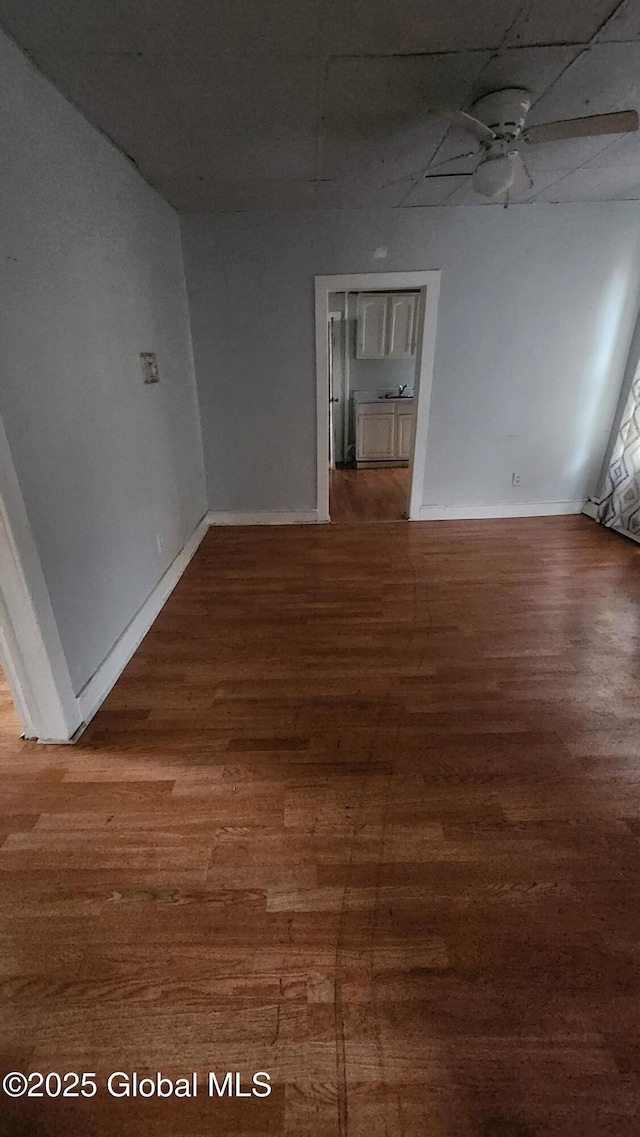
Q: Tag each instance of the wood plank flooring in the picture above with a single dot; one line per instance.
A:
(364, 813)
(358, 496)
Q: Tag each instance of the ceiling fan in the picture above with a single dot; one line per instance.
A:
(498, 122)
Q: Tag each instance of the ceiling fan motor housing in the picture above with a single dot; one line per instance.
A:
(504, 111)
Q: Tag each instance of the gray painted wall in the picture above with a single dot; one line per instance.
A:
(537, 308)
(91, 274)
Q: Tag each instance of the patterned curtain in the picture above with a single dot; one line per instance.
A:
(620, 504)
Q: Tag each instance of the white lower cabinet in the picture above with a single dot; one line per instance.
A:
(375, 434)
(384, 430)
(404, 434)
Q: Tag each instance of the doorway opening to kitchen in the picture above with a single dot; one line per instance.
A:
(375, 339)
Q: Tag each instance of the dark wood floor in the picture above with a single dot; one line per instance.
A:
(358, 496)
(364, 813)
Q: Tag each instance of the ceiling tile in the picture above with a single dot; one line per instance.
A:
(624, 24)
(354, 194)
(599, 81)
(376, 124)
(377, 94)
(562, 21)
(391, 27)
(434, 190)
(602, 79)
(382, 156)
(239, 196)
(164, 27)
(541, 180)
(567, 155)
(594, 185)
(254, 118)
(230, 27)
(534, 68)
(622, 150)
(284, 27)
(71, 25)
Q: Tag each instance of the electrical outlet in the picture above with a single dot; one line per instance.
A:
(150, 373)
(515, 479)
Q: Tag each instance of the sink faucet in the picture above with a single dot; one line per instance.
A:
(401, 390)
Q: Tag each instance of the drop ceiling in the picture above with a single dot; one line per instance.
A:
(314, 104)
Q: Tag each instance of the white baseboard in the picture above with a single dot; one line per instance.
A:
(264, 517)
(98, 687)
(590, 509)
(519, 509)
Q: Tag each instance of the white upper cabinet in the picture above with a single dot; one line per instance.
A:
(372, 325)
(402, 326)
(386, 325)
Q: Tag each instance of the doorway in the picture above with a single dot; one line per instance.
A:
(11, 725)
(375, 339)
(372, 361)
(34, 667)
(338, 381)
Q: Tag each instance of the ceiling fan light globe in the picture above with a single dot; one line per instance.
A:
(494, 176)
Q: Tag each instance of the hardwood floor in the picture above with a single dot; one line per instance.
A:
(369, 495)
(363, 813)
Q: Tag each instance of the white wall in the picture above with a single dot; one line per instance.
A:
(91, 274)
(537, 308)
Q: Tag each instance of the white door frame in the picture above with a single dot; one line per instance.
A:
(429, 285)
(32, 655)
(337, 323)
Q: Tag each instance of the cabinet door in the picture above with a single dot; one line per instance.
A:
(404, 435)
(371, 325)
(375, 436)
(402, 325)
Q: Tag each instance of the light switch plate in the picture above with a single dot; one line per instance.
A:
(150, 371)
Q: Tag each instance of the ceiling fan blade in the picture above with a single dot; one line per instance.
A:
(441, 177)
(470, 124)
(455, 158)
(622, 122)
(426, 173)
(522, 181)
